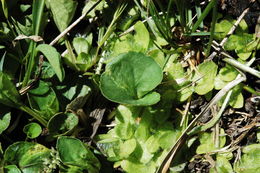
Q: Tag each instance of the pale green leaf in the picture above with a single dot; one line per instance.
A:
(207, 71)
(222, 165)
(207, 142)
(250, 160)
(127, 148)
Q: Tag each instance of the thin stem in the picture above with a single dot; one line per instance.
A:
(242, 67)
(62, 34)
(251, 90)
(34, 115)
(172, 153)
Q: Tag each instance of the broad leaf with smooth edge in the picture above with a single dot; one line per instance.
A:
(9, 96)
(63, 12)
(73, 152)
(32, 130)
(62, 123)
(130, 79)
(11, 169)
(44, 100)
(54, 59)
(5, 118)
(29, 157)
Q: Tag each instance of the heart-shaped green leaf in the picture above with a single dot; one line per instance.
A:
(130, 79)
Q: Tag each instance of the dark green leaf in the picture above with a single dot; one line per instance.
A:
(62, 123)
(8, 94)
(46, 103)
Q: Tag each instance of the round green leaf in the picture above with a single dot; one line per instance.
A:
(62, 123)
(73, 152)
(32, 130)
(228, 73)
(130, 79)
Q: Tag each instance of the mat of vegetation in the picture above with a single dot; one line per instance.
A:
(129, 86)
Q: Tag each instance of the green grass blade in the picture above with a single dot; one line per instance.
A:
(37, 12)
(198, 12)
(203, 15)
(212, 28)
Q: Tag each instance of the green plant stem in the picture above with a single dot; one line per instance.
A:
(34, 115)
(214, 120)
(251, 90)
(109, 30)
(37, 12)
(242, 67)
(31, 63)
(70, 52)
